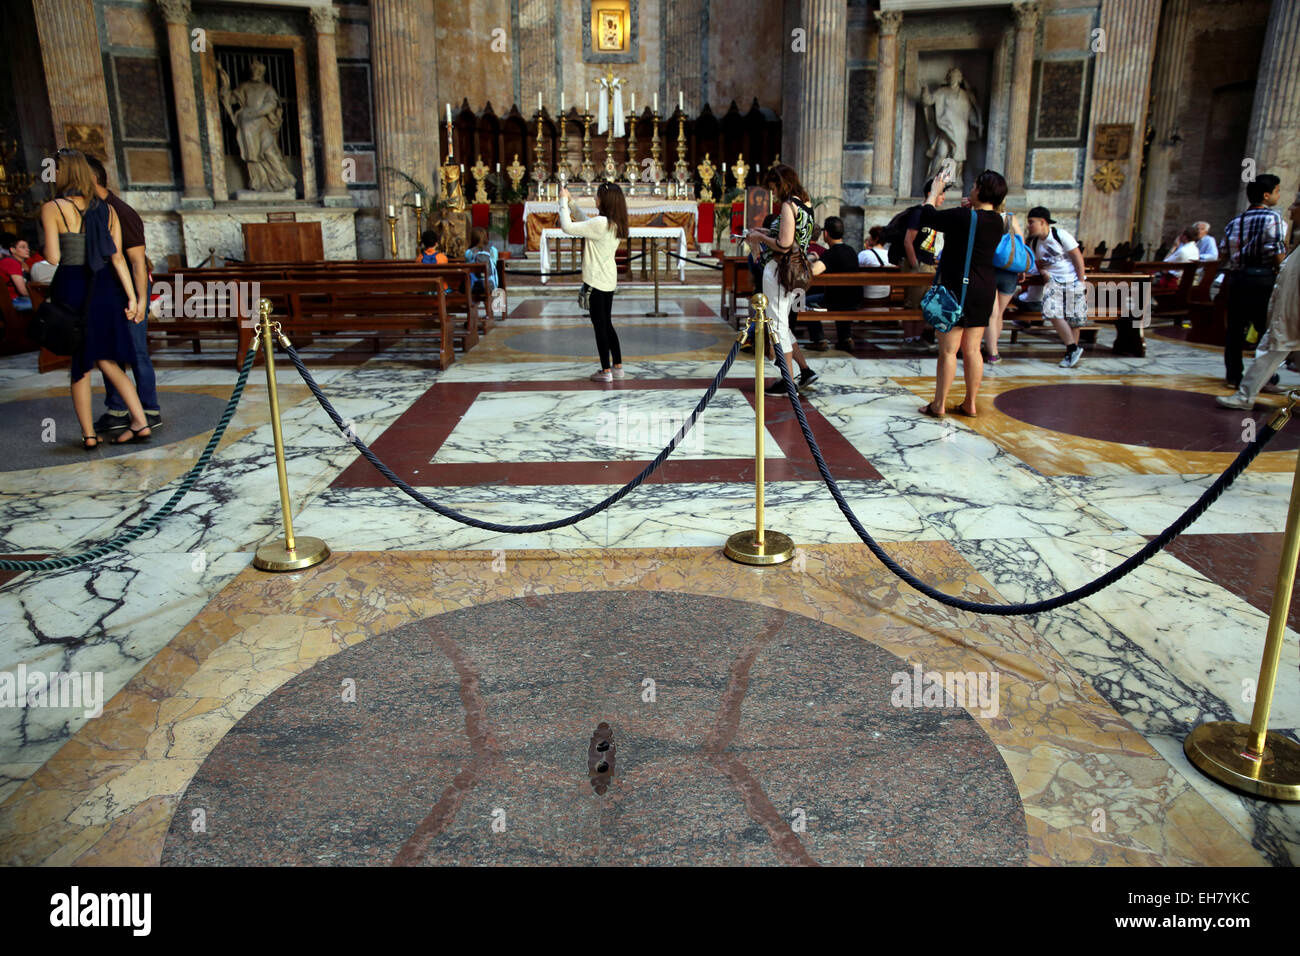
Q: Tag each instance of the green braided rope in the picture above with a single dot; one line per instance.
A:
(151, 522)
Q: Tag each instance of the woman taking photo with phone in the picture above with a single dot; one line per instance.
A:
(979, 292)
(82, 237)
(794, 228)
(601, 235)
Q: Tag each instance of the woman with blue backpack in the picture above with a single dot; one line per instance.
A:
(960, 302)
(1009, 262)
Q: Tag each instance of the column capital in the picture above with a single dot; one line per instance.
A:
(1026, 13)
(890, 21)
(175, 11)
(325, 19)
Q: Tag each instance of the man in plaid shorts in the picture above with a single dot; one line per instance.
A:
(1065, 293)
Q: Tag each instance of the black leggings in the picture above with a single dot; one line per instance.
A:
(602, 304)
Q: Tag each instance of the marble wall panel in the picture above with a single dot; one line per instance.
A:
(1067, 33)
(1054, 166)
(149, 166)
(131, 26)
(221, 228)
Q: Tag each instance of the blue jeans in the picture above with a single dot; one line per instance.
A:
(142, 369)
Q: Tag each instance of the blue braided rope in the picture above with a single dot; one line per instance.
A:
(151, 522)
(1211, 494)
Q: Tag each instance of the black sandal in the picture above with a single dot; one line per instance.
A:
(135, 435)
(86, 442)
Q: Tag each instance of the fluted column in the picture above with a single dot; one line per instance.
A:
(1166, 102)
(405, 138)
(882, 157)
(1274, 141)
(1022, 78)
(1121, 88)
(74, 70)
(177, 15)
(819, 154)
(325, 19)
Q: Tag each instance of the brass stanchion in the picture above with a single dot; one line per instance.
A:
(759, 547)
(1249, 758)
(294, 553)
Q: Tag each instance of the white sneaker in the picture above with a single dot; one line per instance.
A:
(602, 376)
(1235, 401)
(1072, 357)
(618, 372)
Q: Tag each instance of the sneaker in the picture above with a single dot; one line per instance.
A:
(806, 378)
(1072, 357)
(618, 373)
(1235, 401)
(844, 345)
(821, 345)
(153, 418)
(776, 388)
(1021, 324)
(108, 423)
(602, 376)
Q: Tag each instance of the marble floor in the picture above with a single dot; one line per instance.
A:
(1065, 473)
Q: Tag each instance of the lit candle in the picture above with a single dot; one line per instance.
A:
(462, 169)
(633, 104)
(392, 213)
(539, 101)
(587, 101)
(561, 101)
(418, 200)
(681, 102)
(449, 113)
(498, 169)
(656, 105)
(724, 170)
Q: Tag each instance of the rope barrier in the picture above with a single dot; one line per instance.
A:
(696, 260)
(446, 512)
(1211, 494)
(126, 537)
(566, 272)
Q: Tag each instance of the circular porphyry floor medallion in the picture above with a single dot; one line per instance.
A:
(765, 738)
(1138, 415)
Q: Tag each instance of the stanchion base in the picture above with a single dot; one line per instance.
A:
(1217, 748)
(656, 315)
(306, 553)
(743, 546)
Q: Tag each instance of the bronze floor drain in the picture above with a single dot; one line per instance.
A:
(600, 757)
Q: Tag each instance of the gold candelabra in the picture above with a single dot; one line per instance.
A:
(562, 169)
(630, 171)
(516, 172)
(706, 171)
(392, 234)
(540, 175)
(740, 170)
(655, 171)
(611, 167)
(588, 170)
(682, 170)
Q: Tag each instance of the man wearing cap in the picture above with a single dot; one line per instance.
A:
(1065, 293)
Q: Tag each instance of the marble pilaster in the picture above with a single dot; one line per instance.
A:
(819, 155)
(1022, 69)
(882, 160)
(325, 20)
(405, 137)
(177, 15)
(1121, 86)
(74, 71)
(1274, 141)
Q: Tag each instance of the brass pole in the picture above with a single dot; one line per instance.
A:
(392, 234)
(759, 547)
(1249, 758)
(295, 553)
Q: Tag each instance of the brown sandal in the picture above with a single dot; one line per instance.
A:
(928, 409)
(959, 410)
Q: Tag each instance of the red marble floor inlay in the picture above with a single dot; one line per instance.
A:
(1138, 415)
(7, 576)
(409, 443)
(1245, 564)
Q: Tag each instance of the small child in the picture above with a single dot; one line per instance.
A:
(480, 250)
(430, 254)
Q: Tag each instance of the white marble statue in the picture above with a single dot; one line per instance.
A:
(254, 108)
(951, 111)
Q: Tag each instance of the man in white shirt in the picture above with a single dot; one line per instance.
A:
(1065, 293)
(1207, 250)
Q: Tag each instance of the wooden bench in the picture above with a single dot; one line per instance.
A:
(13, 335)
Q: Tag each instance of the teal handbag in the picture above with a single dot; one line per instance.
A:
(941, 311)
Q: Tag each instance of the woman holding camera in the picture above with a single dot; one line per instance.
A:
(601, 235)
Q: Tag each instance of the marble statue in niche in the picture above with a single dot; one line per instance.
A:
(255, 109)
(951, 111)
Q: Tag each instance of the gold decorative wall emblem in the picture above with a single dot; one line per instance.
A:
(1108, 177)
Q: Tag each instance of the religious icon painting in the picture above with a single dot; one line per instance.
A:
(611, 32)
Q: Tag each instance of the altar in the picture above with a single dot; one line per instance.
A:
(645, 213)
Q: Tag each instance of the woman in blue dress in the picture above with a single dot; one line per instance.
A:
(82, 237)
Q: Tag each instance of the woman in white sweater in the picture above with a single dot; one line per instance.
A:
(602, 234)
